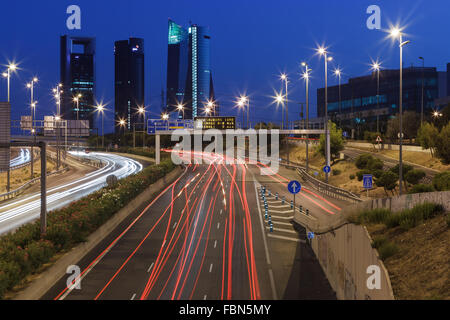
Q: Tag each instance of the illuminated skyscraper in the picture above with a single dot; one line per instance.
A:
(189, 78)
(129, 85)
(78, 77)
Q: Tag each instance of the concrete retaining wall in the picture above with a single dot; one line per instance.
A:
(345, 254)
(385, 146)
(48, 278)
(406, 201)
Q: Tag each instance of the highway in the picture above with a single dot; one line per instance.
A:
(24, 209)
(205, 237)
(22, 158)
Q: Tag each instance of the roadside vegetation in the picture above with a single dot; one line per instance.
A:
(414, 246)
(24, 252)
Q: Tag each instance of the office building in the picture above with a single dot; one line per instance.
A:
(129, 84)
(189, 77)
(77, 67)
(359, 105)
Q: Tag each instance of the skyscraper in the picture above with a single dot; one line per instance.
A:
(189, 78)
(78, 78)
(129, 81)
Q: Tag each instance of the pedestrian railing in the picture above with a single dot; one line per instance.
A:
(321, 186)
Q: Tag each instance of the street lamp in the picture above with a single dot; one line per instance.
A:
(101, 109)
(77, 100)
(180, 108)
(338, 74)
(142, 112)
(306, 77)
(7, 74)
(376, 66)
(242, 103)
(323, 52)
(396, 33)
(284, 78)
(211, 106)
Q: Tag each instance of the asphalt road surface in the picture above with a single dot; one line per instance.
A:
(205, 237)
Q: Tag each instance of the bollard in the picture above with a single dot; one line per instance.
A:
(282, 201)
(301, 209)
(269, 193)
(266, 216)
(271, 227)
(276, 196)
(307, 212)
(292, 204)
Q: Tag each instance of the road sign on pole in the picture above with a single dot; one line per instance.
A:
(367, 182)
(294, 187)
(326, 169)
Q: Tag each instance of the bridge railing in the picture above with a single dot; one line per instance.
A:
(321, 186)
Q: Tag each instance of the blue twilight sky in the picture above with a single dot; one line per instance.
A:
(252, 42)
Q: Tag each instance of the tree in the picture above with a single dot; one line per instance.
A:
(443, 145)
(410, 126)
(414, 176)
(441, 181)
(405, 169)
(336, 142)
(388, 181)
(427, 137)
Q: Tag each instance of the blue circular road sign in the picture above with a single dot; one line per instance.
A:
(294, 187)
(326, 169)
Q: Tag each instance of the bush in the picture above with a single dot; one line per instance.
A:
(336, 172)
(24, 251)
(405, 168)
(374, 216)
(375, 164)
(441, 181)
(421, 188)
(352, 177)
(362, 161)
(387, 250)
(388, 181)
(414, 176)
(360, 174)
(379, 242)
(448, 220)
(410, 218)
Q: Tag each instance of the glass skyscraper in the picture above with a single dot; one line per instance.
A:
(129, 85)
(78, 77)
(189, 78)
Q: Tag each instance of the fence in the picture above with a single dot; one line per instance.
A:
(321, 186)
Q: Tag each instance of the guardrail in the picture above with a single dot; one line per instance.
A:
(321, 186)
(18, 191)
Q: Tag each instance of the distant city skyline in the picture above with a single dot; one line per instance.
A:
(251, 46)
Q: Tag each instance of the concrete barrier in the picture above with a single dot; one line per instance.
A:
(345, 252)
(47, 279)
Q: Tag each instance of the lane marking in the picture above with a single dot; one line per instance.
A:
(134, 296)
(218, 225)
(272, 281)
(283, 218)
(285, 238)
(210, 268)
(282, 230)
(204, 297)
(215, 244)
(174, 225)
(151, 266)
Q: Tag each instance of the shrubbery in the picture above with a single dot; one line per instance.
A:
(421, 188)
(441, 181)
(24, 252)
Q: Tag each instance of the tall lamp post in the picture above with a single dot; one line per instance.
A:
(396, 33)
(101, 110)
(243, 102)
(57, 93)
(142, 112)
(323, 52)
(306, 77)
(423, 89)
(338, 74)
(376, 66)
(7, 74)
(284, 78)
(180, 108)
(33, 108)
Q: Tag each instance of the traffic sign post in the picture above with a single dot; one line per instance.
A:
(379, 140)
(294, 187)
(367, 182)
(326, 169)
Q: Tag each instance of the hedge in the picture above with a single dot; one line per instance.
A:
(24, 252)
